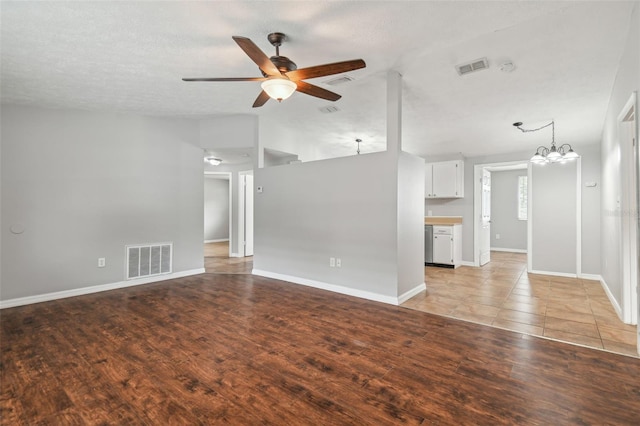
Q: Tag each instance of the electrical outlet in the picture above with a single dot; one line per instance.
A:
(101, 262)
(332, 262)
(338, 263)
(497, 236)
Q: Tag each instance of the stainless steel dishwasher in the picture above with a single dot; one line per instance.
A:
(428, 244)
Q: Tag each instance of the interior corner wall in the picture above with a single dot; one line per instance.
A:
(626, 82)
(343, 208)
(504, 211)
(216, 209)
(83, 185)
(410, 222)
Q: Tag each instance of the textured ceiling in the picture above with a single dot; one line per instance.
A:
(130, 57)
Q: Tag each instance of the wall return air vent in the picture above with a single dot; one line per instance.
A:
(148, 260)
(477, 65)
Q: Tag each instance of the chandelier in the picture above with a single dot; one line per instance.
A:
(552, 154)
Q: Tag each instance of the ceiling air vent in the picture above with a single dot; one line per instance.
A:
(339, 80)
(477, 65)
(329, 109)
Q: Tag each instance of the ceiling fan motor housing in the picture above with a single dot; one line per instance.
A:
(283, 63)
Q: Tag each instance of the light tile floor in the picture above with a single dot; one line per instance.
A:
(502, 294)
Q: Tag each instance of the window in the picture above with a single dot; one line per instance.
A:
(522, 198)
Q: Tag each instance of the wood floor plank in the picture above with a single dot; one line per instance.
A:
(238, 349)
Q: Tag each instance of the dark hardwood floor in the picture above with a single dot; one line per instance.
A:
(239, 349)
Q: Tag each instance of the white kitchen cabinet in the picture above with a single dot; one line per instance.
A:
(444, 179)
(447, 245)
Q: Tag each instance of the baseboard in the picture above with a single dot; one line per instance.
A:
(222, 240)
(508, 250)
(332, 287)
(235, 255)
(409, 294)
(465, 263)
(555, 274)
(20, 301)
(612, 299)
(593, 277)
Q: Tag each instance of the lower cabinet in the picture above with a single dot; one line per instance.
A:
(447, 245)
(443, 249)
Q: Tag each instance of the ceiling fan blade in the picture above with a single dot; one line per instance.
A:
(261, 99)
(257, 55)
(226, 79)
(326, 69)
(316, 91)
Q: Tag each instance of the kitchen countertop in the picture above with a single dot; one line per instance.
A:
(442, 220)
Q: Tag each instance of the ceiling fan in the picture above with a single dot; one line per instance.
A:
(281, 76)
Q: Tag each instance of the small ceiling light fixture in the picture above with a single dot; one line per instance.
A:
(552, 154)
(279, 88)
(358, 142)
(507, 66)
(213, 161)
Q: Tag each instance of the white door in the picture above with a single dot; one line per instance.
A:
(248, 215)
(485, 225)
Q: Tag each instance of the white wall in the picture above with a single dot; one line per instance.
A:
(504, 211)
(627, 81)
(410, 222)
(553, 189)
(591, 240)
(345, 208)
(216, 208)
(233, 131)
(276, 135)
(83, 185)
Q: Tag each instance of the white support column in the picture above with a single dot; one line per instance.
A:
(394, 112)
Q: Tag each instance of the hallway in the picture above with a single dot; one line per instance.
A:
(502, 294)
(217, 260)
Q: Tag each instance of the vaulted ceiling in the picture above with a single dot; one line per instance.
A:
(129, 57)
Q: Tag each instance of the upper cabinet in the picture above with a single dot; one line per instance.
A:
(444, 179)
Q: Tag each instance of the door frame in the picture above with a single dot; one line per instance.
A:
(229, 177)
(484, 171)
(628, 220)
(242, 212)
(477, 207)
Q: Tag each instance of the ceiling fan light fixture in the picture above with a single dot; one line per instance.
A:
(279, 88)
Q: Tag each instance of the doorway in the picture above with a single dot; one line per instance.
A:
(484, 238)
